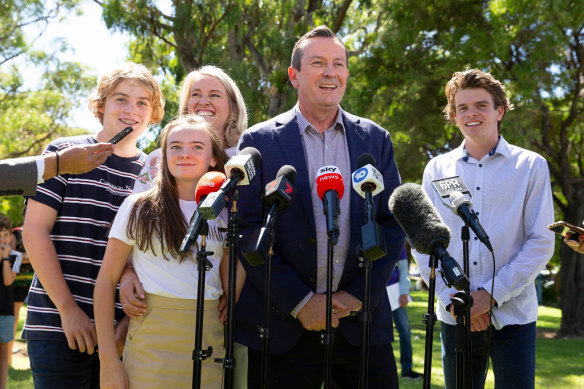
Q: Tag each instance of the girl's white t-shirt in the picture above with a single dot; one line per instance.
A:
(171, 278)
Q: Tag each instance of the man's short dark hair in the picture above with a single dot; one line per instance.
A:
(318, 32)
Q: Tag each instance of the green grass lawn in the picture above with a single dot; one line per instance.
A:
(559, 362)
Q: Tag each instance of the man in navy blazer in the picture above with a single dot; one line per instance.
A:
(317, 132)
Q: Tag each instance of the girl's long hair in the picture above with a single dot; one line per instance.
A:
(157, 214)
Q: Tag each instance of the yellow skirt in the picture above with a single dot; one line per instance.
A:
(160, 344)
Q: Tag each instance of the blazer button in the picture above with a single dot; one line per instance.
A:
(311, 281)
(312, 241)
(276, 310)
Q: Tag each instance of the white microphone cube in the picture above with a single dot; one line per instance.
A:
(367, 178)
(244, 164)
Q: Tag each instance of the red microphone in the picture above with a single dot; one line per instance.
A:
(210, 182)
(330, 188)
(329, 178)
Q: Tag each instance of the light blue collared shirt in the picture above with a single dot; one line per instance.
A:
(511, 195)
(328, 148)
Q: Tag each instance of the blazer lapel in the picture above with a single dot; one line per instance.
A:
(357, 139)
(293, 152)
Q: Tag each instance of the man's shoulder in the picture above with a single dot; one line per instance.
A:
(363, 122)
(526, 154)
(270, 124)
(444, 158)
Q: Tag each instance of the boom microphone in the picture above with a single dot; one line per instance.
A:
(210, 182)
(425, 230)
(241, 169)
(330, 189)
(279, 195)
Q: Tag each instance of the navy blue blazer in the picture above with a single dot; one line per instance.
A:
(294, 261)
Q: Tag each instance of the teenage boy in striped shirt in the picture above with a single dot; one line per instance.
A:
(65, 232)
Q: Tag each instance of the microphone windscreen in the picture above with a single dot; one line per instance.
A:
(366, 159)
(417, 216)
(329, 178)
(210, 182)
(289, 172)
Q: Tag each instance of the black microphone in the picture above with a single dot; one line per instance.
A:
(279, 195)
(454, 189)
(240, 169)
(461, 205)
(425, 230)
(367, 181)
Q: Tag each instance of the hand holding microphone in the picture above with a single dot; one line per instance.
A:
(209, 183)
(330, 189)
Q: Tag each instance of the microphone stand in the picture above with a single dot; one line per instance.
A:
(365, 318)
(467, 366)
(232, 234)
(430, 320)
(462, 302)
(204, 264)
(333, 238)
(327, 337)
(265, 333)
(371, 228)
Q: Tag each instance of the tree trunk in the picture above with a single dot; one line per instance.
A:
(572, 293)
(572, 277)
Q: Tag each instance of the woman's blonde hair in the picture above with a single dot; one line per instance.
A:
(237, 121)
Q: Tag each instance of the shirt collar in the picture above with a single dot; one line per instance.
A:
(303, 123)
(502, 147)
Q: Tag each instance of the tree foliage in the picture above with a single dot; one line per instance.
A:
(33, 113)
(253, 40)
(535, 48)
(402, 54)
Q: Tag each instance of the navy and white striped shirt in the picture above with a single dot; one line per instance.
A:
(86, 205)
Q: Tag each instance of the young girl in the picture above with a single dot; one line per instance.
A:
(210, 93)
(150, 227)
